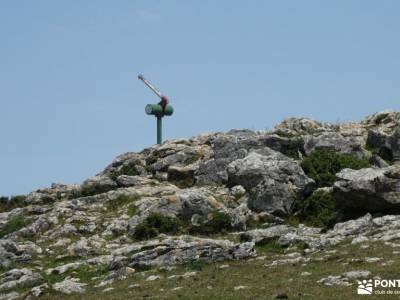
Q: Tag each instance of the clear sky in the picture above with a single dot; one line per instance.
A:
(70, 100)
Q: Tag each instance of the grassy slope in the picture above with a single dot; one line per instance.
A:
(262, 282)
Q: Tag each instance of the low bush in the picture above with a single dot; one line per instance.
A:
(322, 165)
(128, 169)
(7, 204)
(219, 222)
(14, 224)
(155, 224)
(318, 209)
(269, 246)
(114, 204)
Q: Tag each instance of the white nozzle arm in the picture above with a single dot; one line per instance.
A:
(150, 86)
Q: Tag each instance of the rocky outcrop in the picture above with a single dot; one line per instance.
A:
(97, 185)
(186, 249)
(17, 278)
(368, 189)
(260, 236)
(336, 142)
(361, 230)
(241, 185)
(385, 121)
(273, 181)
(69, 286)
(10, 253)
(302, 126)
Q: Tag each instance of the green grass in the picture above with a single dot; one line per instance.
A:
(132, 209)
(322, 165)
(14, 224)
(212, 282)
(269, 247)
(195, 265)
(115, 204)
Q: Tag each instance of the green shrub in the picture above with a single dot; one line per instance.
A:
(155, 224)
(322, 165)
(128, 169)
(293, 148)
(7, 204)
(114, 204)
(219, 222)
(318, 209)
(132, 210)
(292, 220)
(14, 224)
(269, 246)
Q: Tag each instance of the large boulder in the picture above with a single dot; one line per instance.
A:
(385, 145)
(302, 126)
(369, 189)
(260, 236)
(97, 185)
(129, 163)
(184, 205)
(174, 154)
(227, 148)
(336, 142)
(10, 253)
(185, 249)
(19, 278)
(385, 121)
(69, 286)
(273, 181)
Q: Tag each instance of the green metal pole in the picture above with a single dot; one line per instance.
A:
(159, 130)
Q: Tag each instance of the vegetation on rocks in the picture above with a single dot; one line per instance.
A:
(269, 246)
(239, 223)
(128, 169)
(7, 204)
(221, 280)
(122, 200)
(219, 222)
(155, 224)
(14, 224)
(322, 165)
(318, 209)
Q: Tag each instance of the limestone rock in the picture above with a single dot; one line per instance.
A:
(17, 278)
(9, 253)
(38, 291)
(264, 235)
(184, 249)
(368, 189)
(302, 126)
(69, 286)
(336, 142)
(273, 181)
(97, 185)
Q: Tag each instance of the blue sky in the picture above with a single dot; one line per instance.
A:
(70, 99)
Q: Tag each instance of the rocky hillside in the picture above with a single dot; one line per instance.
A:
(213, 200)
